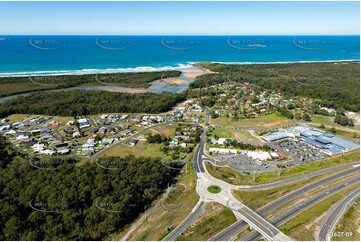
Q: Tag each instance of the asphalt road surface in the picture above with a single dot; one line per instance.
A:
(237, 227)
(328, 225)
(186, 223)
(303, 206)
(297, 178)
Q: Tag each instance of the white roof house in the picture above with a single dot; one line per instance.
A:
(222, 141)
(223, 151)
(258, 155)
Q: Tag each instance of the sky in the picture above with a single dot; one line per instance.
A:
(177, 18)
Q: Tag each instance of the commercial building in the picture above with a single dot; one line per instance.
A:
(327, 142)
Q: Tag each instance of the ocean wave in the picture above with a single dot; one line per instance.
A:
(189, 65)
(281, 62)
(95, 71)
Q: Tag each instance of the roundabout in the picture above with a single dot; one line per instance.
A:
(214, 189)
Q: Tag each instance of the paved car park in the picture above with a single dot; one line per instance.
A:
(299, 151)
(243, 163)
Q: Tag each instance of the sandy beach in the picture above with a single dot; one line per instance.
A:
(193, 73)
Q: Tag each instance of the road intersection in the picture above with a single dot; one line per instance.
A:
(224, 197)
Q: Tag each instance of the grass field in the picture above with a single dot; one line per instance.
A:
(273, 120)
(240, 135)
(350, 222)
(303, 226)
(154, 227)
(165, 130)
(259, 198)
(222, 133)
(17, 117)
(328, 121)
(141, 149)
(214, 219)
(232, 176)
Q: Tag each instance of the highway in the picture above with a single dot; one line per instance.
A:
(328, 225)
(301, 207)
(237, 227)
(296, 178)
(197, 211)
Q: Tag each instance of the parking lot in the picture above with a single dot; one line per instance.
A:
(299, 151)
(243, 163)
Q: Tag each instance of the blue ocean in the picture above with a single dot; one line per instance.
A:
(44, 55)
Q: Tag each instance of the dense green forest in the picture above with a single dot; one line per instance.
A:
(336, 85)
(74, 103)
(16, 85)
(76, 202)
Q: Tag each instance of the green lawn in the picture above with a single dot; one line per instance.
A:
(141, 149)
(328, 121)
(273, 120)
(165, 130)
(222, 133)
(214, 189)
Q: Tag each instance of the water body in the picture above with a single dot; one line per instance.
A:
(44, 55)
(159, 86)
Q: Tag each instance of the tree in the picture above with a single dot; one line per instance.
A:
(290, 106)
(306, 117)
(344, 121)
(298, 116)
(73, 191)
(333, 130)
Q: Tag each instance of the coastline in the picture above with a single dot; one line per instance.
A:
(180, 67)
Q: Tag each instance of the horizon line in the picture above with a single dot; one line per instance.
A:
(28, 34)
